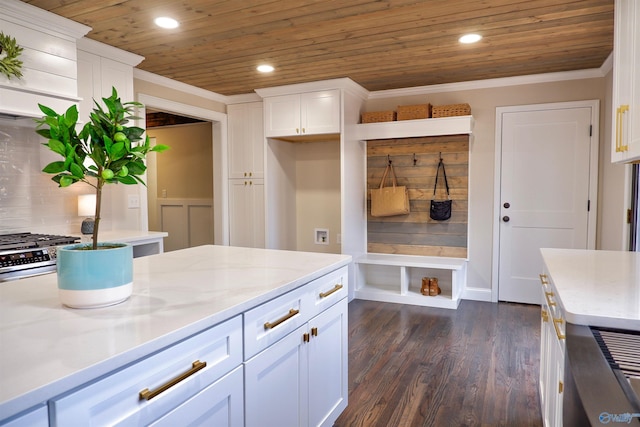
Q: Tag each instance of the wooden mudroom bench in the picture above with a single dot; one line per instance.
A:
(398, 278)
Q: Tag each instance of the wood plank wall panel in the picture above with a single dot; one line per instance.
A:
(416, 233)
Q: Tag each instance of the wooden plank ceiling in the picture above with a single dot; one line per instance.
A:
(380, 44)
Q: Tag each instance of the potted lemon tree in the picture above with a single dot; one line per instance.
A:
(104, 151)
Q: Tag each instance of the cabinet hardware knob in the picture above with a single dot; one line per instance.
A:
(548, 295)
(507, 205)
(560, 386)
(292, 312)
(303, 130)
(336, 288)
(305, 337)
(506, 218)
(314, 332)
(297, 130)
(147, 394)
(543, 279)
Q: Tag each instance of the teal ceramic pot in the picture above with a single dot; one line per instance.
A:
(91, 279)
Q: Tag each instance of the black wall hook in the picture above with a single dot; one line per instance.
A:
(414, 159)
(389, 159)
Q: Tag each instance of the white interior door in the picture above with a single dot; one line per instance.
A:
(546, 181)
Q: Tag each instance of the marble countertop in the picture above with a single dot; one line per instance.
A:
(46, 348)
(596, 288)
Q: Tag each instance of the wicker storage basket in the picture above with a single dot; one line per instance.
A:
(450, 110)
(410, 112)
(378, 116)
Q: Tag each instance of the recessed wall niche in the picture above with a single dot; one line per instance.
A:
(415, 161)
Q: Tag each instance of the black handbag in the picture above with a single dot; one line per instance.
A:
(440, 209)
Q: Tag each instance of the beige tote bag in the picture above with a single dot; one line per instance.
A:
(389, 201)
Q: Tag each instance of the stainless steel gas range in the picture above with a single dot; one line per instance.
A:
(27, 254)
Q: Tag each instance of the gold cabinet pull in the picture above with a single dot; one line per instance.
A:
(147, 394)
(335, 289)
(314, 332)
(560, 386)
(620, 145)
(297, 130)
(556, 322)
(618, 130)
(548, 295)
(305, 337)
(292, 312)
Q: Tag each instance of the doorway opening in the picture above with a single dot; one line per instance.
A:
(188, 199)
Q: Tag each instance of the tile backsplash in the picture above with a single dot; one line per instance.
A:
(29, 200)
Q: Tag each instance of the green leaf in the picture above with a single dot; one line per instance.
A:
(117, 151)
(160, 148)
(47, 111)
(128, 179)
(71, 116)
(77, 171)
(54, 167)
(57, 147)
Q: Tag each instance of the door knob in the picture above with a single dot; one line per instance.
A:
(506, 218)
(507, 205)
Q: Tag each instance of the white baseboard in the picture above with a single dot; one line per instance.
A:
(477, 294)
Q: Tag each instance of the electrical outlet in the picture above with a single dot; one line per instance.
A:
(164, 194)
(134, 201)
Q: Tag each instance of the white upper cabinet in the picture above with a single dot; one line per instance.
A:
(312, 113)
(625, 139)
(246, 140)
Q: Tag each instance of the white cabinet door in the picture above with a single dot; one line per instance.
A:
(312, 113)
(276, 384)
(282, 115)
(246, 213)
(626, 88)
(220, 405)
(301, 380)
(328, 381)
(246, 140)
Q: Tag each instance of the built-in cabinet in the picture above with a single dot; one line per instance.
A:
(246, 174)
(625, 139)
(298, 342)
(552, 355)
(311, 113)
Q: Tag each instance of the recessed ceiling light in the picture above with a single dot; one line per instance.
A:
(264, 68)
(470, 38)
(166, 22)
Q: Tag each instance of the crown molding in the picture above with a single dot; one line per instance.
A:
(38, 19)
(108, 51)
(243, 98)
(179, 86)
(343, 83)
(500, 82)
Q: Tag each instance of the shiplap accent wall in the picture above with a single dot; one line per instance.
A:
(416, 233)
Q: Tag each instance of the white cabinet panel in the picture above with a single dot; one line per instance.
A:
(116, 398)
(301, 380)
(38, 417)
(312, 113)
(246, 140)
(220, 405)
(625, 139)
(275, 384)
(246, 213)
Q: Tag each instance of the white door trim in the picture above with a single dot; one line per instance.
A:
(220, 181)
(593, 175)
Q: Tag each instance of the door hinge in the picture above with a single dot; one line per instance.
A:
(629, 215)
(590, 130)
(588, 205)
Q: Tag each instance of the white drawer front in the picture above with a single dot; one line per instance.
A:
(115, 399)
(328, 290)
(271, 321)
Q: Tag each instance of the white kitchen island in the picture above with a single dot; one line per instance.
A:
(209, 303)
(583, 289)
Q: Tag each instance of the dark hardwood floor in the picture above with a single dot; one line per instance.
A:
(419, 366)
